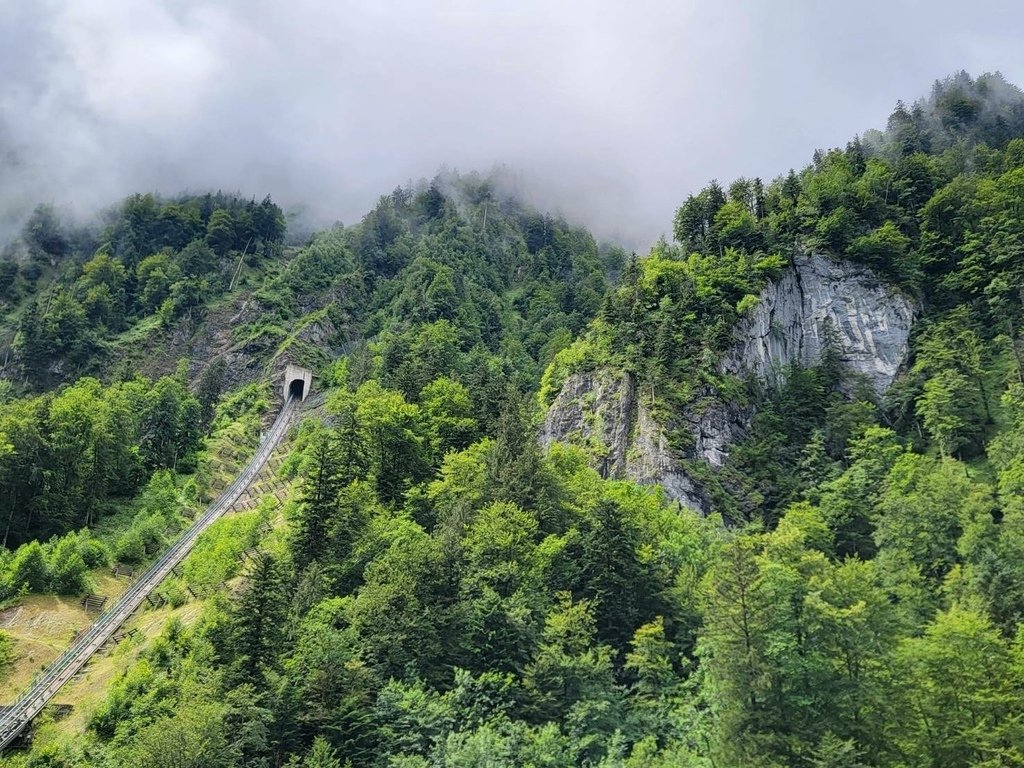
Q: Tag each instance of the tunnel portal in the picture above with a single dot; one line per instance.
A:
(297, 382)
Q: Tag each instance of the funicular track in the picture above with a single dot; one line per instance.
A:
(31, 702)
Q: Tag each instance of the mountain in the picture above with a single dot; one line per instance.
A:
(752, 499)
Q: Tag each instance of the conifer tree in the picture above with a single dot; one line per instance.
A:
(322, 480)
(257, 621)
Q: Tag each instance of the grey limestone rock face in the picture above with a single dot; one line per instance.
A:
(715, 425)
(602, 410)
(871, 322)
(594, 409)
(651, 461)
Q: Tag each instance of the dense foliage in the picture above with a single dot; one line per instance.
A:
(453, 276)
(69, 457)
(153, 257)
(445, 594)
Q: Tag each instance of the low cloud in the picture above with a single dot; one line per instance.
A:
(610, 112)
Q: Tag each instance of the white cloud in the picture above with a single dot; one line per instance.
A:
(615, 110)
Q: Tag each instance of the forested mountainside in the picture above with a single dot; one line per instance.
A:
(753, 499)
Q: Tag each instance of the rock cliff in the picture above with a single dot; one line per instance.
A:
(869, 320)
(595, 410)
(601, 410)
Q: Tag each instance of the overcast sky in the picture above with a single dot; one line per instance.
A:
(612, 111)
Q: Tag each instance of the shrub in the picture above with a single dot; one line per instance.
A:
(67, 568)
(152, 529)
(28, 569)
(174, 593)
(130, 547)
(160, 497)
(583, 354)
(746, 304)
(6, 650)
(94, 551)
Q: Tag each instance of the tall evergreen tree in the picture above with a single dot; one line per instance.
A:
(257, 625)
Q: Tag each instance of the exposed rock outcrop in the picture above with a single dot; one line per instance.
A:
(817, 298)
(651, 461)
(870, 322)
(601, 411)
(715, 425)
(595, 410)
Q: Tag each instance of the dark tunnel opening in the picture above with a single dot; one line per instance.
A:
(296, 388)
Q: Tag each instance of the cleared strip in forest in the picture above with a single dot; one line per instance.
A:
(30, 703)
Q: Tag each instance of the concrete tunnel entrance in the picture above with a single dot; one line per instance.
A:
(297, 382)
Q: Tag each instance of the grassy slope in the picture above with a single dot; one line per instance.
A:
(43, 623)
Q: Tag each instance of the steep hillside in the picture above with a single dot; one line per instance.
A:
(753, 499)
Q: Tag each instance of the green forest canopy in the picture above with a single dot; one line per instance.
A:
(446, 594)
